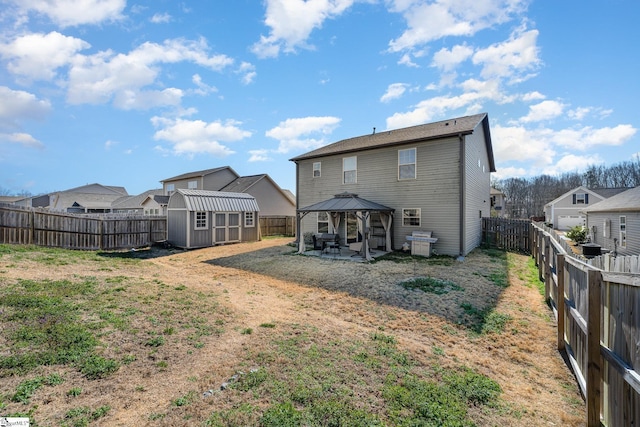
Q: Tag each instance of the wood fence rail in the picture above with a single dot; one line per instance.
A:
(29, 226)
(598, 326)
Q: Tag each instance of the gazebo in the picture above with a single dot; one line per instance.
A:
(349, 202)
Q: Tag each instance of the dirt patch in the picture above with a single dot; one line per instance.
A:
(267, 283)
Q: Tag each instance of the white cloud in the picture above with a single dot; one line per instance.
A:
(18, 105)
(546, 110)
(292, 21)
(21, 138)
(571, 163)
(161, 18)
(579, 113)
(589, 137)
(514, 59)
(429, 21)
(533, 96)
(248, 72)
(394, 91)
(509, 172)
(517, 143)
(38, 56)
(66, 13)
(190, 137)
(203, 88)
(448, 59)
(259, 156)
(100, 77)
(293, 134)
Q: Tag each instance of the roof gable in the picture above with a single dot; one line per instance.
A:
(442, 129)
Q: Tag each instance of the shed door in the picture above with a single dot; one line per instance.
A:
(227, 227)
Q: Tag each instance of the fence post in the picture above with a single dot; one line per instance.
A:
(594, 359)
(547, 267)
(32, 227)
(560, 300)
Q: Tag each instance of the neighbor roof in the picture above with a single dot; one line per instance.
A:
(346, 202)
(626, 201)
(242, 184)
(445, 128)
(217, 201)
(198, 174)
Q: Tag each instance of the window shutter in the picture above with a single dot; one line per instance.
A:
(574, 199)
(586, 198)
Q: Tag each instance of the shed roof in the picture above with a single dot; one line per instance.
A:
(442, 129)
(346, 202)
(217, 201)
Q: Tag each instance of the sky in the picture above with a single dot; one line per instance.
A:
(129, 93)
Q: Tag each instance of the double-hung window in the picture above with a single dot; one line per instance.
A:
(323, 222)
(623, 232)
(580, 199)
(349, 170)
(411, 217)
(192, 185)
(201, 221)
(170, 189)
(316, 169)
(407, 164)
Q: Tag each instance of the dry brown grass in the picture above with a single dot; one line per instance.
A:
(318, 302)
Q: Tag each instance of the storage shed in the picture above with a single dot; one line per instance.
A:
(200, 218)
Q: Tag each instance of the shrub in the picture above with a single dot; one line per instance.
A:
(578, 234)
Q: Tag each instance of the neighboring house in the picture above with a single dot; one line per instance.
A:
(565, 211)
(90, 198)
(434, 177)
(151, 202)
(200, 218)
(614, 223)
(498, 203)
(273, 200)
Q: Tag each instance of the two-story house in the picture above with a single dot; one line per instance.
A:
(435, 177)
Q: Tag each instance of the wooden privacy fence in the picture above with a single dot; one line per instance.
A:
(508, 234)
(277, 225)
(30, 226)
(598, 326)
(617, 264)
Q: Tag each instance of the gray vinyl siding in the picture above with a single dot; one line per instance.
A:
(565, 205)
(435, 189)
(218, 180)
(597, 219)
(477, 190)
(272, 202)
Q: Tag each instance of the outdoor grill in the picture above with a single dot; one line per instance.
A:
(421, 243)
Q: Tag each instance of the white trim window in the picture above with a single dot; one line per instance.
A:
(170, 189)
(249, 219)
(623, 232)
(407, 164)
(317, 169)
(323, 222)
(201, 220)
(192, 185)
(411, 217)
(349, 170)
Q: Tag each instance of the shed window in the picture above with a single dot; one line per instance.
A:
(316, 169)
(192, 185)
(201, 221)
(323, 222)
(249, 219)
(623, 232)
(411, 217)
(407, 164)
(349, 170)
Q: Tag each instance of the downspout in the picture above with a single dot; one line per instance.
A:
(463, 187)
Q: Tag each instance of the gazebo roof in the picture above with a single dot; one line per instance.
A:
(346, 202)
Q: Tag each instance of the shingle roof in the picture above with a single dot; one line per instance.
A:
(346, 202)
(217, 201)
(456, 126)
(197, 174)
(134, 202)
(626, 201)
(242, 184)
(608, 192)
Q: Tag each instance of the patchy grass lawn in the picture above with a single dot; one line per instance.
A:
(252, 334)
